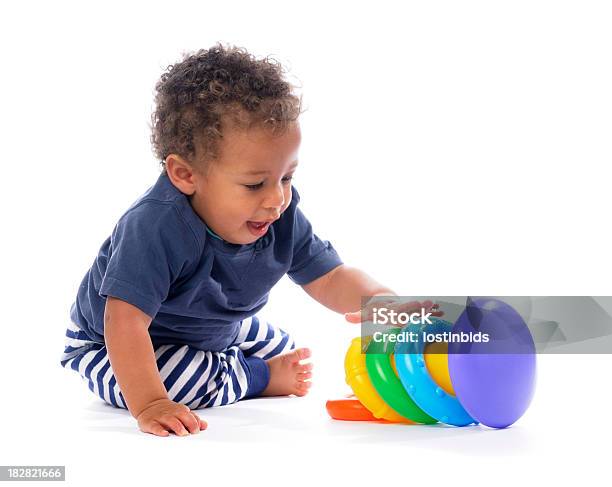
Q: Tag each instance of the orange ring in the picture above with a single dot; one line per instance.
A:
(348, 410)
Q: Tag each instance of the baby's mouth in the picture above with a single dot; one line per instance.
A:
(258, 225)
(258, 228)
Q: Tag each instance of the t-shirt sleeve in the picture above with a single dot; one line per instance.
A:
(312, 257)
(150, 247)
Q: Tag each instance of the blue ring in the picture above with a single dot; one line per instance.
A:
(417, 381)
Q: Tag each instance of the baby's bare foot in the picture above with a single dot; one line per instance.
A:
(287, 375)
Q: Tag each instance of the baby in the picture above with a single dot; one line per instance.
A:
(165, 320)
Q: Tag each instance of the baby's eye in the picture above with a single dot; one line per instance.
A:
(255, 187)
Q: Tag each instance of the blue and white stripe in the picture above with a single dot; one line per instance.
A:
(196, 378)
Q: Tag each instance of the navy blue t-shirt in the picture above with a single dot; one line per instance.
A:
(162, 258)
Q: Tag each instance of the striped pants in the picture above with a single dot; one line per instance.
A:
(196, 378)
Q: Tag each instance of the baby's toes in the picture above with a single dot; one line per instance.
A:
(302, 376)
(301, 388)
(303, 368)
(302, 353)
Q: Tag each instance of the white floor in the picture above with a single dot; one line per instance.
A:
(450, 148)
(277, 440)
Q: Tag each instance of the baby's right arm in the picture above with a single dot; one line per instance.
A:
(132, 359)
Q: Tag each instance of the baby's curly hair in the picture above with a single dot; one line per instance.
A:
(209, 90)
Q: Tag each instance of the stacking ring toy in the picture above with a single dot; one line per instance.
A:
(482, 371)
(357, 377)
(495, 380)
(419, 384)
(387, 383)
(436, 361)
(348, 410)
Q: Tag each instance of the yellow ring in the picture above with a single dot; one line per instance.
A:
(436, 361)
(357, 377)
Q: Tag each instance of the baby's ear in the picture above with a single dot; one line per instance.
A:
(181, 174)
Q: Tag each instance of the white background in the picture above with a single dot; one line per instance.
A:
(449, 148)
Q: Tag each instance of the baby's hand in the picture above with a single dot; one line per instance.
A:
(163, 416)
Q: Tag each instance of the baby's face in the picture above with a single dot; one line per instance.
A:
(249, 183)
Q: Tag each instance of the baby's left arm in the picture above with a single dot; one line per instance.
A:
(341, 289)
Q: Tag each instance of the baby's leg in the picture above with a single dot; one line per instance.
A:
(193, 377)
(258, 338)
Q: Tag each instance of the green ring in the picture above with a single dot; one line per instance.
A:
(387, 383)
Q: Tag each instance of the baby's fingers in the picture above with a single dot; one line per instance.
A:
(354, 317)
(203, 424)
(191, 421)
(435, 309)
(174, 424)
(155, 428)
